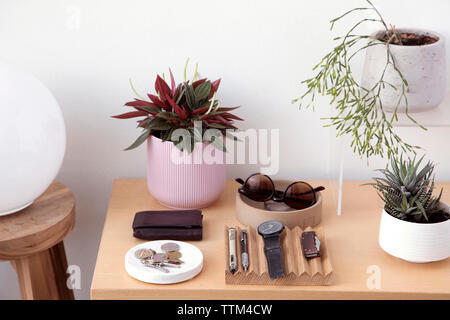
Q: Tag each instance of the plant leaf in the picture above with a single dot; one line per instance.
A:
(218, 144)
(139, 140)
(168, 115)
(190, 96)
(162, 88)
(158, 102)
(202, 91)
(172, 83)
(139, 103)
(178, 110)
(132, 114)
(195, 84)
(159, 124)
(214, 88)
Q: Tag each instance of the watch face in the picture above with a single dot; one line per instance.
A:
(270, 227)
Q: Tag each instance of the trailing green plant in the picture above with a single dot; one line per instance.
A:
(360, 110)
(407, 192)
(190, 105)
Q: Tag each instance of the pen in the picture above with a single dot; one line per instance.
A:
(244, 250)
(232, 249)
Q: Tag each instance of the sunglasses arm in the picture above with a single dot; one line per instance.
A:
(315, 190)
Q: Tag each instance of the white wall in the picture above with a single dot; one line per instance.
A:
(261, 49)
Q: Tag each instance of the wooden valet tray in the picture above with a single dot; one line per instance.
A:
(299, 271)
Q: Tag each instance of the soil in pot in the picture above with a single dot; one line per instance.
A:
(408, 38)
(437, 217)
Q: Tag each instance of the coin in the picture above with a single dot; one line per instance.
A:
(174, 255)
(174, 261)
(144, 253)
(159, 257)
(170, 246)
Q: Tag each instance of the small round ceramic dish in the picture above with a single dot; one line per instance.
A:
(253, 213)
(191, 256)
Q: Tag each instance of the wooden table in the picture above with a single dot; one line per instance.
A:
(32, 240)
(352, 241)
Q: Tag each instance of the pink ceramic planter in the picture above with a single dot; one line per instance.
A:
(183, 185)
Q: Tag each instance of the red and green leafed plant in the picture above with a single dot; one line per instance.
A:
(180, 106)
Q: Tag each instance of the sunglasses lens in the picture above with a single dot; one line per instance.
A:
(300, 195)
(258, 188)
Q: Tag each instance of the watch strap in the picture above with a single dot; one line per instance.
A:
(274, 256)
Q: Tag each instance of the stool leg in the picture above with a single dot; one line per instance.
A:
(43, 276)
(59, 261)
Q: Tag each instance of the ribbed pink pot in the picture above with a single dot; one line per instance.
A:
(183, 185)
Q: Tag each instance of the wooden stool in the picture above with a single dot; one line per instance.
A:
(32, 240)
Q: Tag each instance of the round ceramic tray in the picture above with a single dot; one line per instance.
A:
(253, 213)
(191, 255)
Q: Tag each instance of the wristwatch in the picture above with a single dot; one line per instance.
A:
(270, 231)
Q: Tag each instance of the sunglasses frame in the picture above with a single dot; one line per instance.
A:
(275, 195)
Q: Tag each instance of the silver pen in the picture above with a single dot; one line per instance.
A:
(244, 249)
(232, 249)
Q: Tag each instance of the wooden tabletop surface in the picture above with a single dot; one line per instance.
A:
(352, 241)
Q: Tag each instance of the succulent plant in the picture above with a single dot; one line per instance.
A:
(408, 192)
(180, 106)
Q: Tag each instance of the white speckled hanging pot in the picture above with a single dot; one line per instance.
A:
(415, 242)
(422, 66)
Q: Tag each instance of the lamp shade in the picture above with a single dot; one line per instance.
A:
(32, 139)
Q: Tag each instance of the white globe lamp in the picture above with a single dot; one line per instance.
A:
(32, 139)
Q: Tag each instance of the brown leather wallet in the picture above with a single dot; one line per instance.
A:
(168, 225)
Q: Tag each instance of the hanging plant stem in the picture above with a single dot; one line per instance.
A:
(359, 110)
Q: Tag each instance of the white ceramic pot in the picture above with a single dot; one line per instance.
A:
(32, 139)
(414, 242)
(422, 66)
